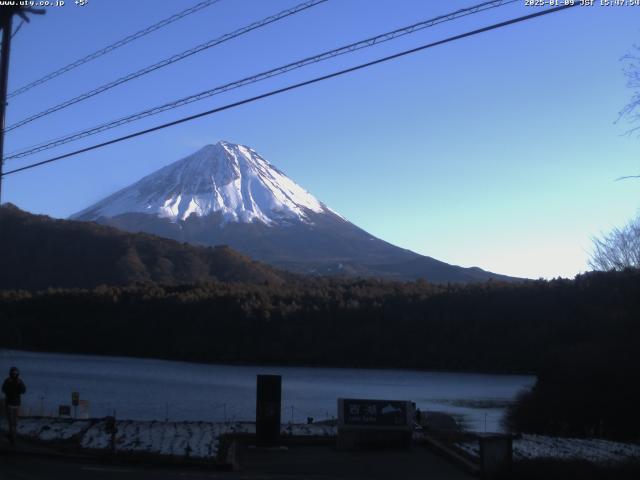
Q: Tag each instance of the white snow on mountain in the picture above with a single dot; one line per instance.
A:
(227, 178)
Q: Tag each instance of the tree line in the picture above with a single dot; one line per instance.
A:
(494, 326)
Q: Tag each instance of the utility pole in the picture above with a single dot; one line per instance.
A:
(6, 20)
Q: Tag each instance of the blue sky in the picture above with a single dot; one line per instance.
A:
(498, 151)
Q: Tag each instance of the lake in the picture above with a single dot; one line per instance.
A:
(147, 389)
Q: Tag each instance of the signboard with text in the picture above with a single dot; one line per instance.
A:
(387, 414)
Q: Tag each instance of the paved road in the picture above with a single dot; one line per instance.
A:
(29, 468)
(313, 463)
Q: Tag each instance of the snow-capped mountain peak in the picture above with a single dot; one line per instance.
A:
(227, 178)
(227, 194)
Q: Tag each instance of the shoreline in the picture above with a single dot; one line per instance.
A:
(265, 365)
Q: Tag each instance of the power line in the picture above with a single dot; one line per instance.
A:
(168, 61)
(295, 86)
(114, 46)
(25, 152)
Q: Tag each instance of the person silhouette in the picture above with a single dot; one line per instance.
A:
(13, 389)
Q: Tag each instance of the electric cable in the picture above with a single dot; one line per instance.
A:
(113, 46)
(369, 42)
(295, 86)
(166, 62)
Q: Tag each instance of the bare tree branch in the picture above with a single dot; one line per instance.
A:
(619, 249)
(631, 111)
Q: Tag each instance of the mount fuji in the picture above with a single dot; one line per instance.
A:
(228, 194)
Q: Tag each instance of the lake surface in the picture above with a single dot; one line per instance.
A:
(144, 389)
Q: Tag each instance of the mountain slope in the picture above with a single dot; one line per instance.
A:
(232, 180)
(40, 252)
(228, 194)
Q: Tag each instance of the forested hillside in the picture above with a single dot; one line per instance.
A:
(39, 252)
(487, 327)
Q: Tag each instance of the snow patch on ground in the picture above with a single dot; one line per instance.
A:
(593, 450)
(313, 430)
(49, 429)
(201, 439)
(182, 439)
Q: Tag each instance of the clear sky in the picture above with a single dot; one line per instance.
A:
(498, 151)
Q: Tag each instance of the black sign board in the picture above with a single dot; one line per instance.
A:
(268, 405)
(64, 411)
(374, 413)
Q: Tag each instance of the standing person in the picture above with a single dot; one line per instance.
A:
(418, 417)
(13, 388)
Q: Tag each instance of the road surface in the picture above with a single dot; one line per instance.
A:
(314, 463)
